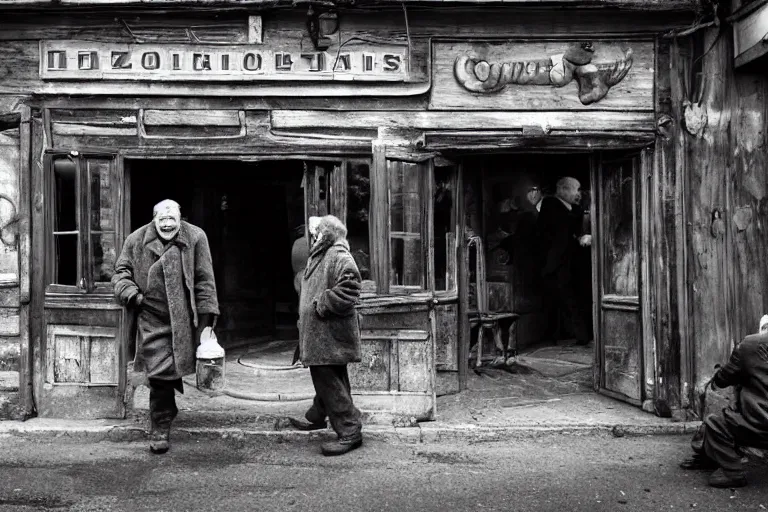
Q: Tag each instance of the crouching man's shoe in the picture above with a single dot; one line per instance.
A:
(342, 445)
(159, 440)
(726, 480)
(305, 425)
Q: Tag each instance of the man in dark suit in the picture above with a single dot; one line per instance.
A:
(560, 237)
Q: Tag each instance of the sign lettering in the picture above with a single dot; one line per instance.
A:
(88, 61)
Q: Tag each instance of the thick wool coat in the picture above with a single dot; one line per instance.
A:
(141, 250)
(329, 332)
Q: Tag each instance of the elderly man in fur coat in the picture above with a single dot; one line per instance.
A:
(329, 333)
(164, 276)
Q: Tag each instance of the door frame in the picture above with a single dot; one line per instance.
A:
(642, 174)
(37, 323)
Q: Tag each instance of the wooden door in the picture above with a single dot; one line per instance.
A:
(618, 288)
(82, 359)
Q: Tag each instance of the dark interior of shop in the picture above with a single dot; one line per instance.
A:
(252, 213)
(499, 209)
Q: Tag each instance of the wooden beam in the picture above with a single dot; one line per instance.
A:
(639, 5)
(539, 121)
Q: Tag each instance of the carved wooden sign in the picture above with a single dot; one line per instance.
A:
(544, 75)
(88, 61)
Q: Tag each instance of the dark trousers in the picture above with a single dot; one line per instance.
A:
(162, 402)
(333, 398)
(561, 297)
(719, 438)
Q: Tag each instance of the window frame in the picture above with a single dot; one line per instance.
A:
(85, 285)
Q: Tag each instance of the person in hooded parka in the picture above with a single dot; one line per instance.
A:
(329, 333)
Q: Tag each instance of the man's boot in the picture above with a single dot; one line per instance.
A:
(727, 479)
(160, 439)
(342, 445)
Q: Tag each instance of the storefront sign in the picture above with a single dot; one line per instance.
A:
(593, 80)
(543, 75)
(87, 61)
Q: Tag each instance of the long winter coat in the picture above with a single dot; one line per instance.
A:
(748, 368)
(329, 332)
(141, 250)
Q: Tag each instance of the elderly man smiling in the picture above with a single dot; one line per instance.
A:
(165, 277)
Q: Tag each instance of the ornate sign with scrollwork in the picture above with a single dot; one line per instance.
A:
(543, 75)
(594, 79)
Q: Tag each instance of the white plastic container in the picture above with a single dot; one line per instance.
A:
(210, 369)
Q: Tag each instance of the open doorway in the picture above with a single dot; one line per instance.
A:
(252, 213)
(503, 198)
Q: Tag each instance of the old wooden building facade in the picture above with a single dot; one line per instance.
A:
(411, 121)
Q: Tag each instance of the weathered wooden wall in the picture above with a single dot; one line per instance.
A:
(10, 162)
(727, 210)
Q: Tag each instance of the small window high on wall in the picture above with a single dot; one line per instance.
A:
(82, 224)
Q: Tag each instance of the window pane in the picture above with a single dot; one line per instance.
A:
(407, 265)
(358, 213)
(445, 240)
(621, 260)
(102, 213)
(104, 256)
(65, 259)
(407, 262)
(65, 195)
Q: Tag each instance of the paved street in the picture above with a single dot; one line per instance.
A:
(569, 473)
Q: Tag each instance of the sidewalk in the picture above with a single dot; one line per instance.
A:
(547, 392)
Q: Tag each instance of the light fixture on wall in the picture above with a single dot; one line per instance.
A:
(321, 24)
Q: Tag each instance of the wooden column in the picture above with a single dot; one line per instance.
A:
(379, 218)
(26, 394)
(666, 203)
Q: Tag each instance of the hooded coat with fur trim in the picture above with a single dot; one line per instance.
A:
(142, 249)
(329, 332)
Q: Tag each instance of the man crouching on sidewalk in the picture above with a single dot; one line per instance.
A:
(329, 333)
(743, 424)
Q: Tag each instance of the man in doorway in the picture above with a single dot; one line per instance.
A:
(329, 334)
(164, 276)
(718, 444)
(560, 237)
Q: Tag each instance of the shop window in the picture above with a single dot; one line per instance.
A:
(66, 233)
(83, 231)
(358, 217)
(406, 226)
(619, 223)
(444, 204)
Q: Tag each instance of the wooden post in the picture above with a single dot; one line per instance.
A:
(463, 281)
(37, 254)
(380, 218)
(26, 394)
(666, 198)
